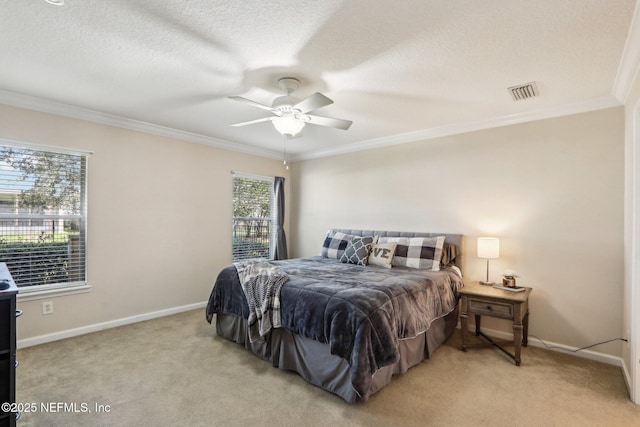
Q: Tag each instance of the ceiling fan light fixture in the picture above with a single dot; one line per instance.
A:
(288, 126)
(291, 113)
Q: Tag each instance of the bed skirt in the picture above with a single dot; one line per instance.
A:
(315, 363)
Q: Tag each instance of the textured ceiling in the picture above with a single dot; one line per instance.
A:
(398, 70)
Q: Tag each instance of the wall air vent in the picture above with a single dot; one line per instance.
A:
(525, 91)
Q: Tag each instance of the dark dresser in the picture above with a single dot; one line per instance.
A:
(8, 315)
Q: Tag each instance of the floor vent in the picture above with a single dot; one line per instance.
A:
(525, 91)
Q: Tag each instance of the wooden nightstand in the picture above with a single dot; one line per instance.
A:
(480, 300)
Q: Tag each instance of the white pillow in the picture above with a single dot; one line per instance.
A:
(382, 254)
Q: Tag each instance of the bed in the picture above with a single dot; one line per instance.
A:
(348, 327)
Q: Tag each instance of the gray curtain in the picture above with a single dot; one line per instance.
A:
(281, 239)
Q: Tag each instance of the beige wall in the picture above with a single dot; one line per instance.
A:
(159, 219)
(552, 190)
(159, 214)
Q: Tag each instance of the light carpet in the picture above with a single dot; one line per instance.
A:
(175, 371)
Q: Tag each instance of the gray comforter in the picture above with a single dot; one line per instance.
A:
(361, 312)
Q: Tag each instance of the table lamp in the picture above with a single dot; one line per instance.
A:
(488, 247)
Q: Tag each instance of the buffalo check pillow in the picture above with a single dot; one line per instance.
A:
(335, 243)
(416, 252)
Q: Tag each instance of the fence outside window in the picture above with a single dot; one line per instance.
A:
(251, 237)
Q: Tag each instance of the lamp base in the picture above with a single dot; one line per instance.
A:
(487, 283)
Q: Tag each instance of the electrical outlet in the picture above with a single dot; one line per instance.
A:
(47, 307)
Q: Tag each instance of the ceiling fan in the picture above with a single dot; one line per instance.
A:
(290, 113)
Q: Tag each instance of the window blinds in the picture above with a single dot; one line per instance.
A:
(253, 217)
(43, 217)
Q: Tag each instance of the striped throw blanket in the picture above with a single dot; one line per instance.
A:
(261, 283)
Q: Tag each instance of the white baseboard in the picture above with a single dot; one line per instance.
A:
(535, 342)
(42, 339)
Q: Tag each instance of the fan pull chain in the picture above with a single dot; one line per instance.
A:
(284, 155)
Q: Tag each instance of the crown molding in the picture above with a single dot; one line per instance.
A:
(593, 104)
(630, 60)
(47, 106)
(52, 107)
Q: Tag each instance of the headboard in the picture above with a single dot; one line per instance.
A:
(455, 239)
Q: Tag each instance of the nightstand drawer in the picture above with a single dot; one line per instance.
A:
(490, 308)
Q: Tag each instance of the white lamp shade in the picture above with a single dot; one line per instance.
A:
(288, 125)
(488, 247)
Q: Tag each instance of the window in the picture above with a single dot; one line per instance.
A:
(253, 217)
(43, 217)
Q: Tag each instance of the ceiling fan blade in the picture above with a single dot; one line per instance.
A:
(250, 102)
(331, 122)
(312, 102)
(250, 122)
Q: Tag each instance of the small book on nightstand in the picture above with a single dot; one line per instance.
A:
(505, 288)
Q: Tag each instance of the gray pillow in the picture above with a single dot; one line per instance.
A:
(357, 251)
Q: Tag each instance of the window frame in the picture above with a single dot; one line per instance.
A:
(27, 293)
(272, 213)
